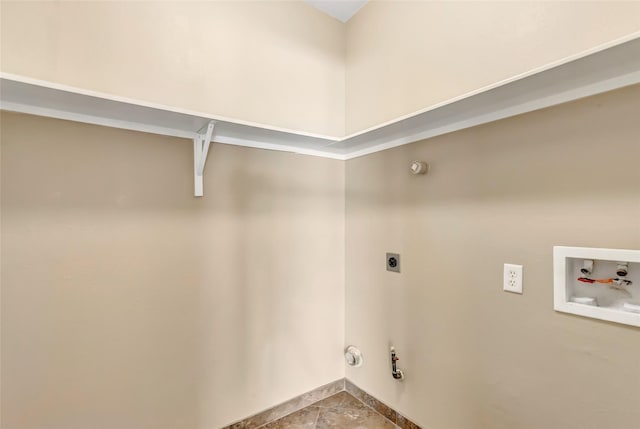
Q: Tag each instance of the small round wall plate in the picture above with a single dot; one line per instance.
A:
(353, 356)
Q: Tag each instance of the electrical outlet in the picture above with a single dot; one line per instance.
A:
(393, 262)
(512, 278)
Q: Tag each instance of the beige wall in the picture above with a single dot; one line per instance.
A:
(404, 56)
(477, 357)
(127, 303)
(286, 64)
(259, 61)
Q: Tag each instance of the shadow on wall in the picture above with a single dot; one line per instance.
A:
(529, 157)
(127, 302)
(505, 192)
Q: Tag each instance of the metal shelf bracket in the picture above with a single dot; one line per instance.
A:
(201, 143)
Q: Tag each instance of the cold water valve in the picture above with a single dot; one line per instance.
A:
(395, 371)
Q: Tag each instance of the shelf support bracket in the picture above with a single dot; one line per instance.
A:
(201, 143)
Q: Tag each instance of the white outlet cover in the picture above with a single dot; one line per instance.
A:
(512, 278)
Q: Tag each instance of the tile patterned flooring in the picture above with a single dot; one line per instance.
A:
(338, 411)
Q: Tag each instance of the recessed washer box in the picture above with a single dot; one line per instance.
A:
(601, 293)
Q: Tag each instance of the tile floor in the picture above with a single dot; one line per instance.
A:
(338, 411)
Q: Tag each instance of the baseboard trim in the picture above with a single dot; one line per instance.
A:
(290, 406)
(389, 413)
(299, 402)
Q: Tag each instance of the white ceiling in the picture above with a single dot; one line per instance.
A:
(342, 10)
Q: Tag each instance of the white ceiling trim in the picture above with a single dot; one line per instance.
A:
(602, 69)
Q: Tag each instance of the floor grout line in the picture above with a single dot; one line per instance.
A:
(315, 425)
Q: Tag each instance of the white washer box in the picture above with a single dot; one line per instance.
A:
(597, 300)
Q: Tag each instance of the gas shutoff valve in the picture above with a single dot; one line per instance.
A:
(396, 372)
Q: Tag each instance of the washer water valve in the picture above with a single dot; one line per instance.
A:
(622, 269)
(587, 267)
(396, 372)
